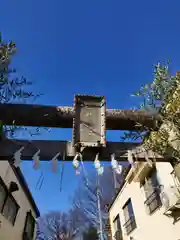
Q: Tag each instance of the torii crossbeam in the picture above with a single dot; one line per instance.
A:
(64, 117)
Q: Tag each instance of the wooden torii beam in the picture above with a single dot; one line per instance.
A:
(62, 117)
(50, 148)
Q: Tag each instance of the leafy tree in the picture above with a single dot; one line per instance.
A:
(85, 198)
(160, 98)
(39, 233)
(91, 234)
(12, 87)
(55, 226)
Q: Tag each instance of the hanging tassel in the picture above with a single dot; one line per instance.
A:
(62, 170)
(40, 181)
(97, 164)
(76, 164)
(75, 161)
(84, 169)
(115, 166)
(114, 162)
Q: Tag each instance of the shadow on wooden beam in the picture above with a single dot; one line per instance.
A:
(50, 148)
(62, 117)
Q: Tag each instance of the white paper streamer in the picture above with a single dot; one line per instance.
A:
(54, 162)
(17, 157)
(75, 161)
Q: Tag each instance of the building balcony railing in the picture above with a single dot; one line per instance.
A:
(130, 225)
(153, 202)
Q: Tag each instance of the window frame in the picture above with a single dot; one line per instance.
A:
(149, 202)
(118, 235)
(131, 221)
(8, 195)
(117, 219)
(152, 198)
(118, 231)
(25, 234)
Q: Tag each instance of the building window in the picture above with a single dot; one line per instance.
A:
(3, 194)
(130, 222)
(117, 228)
(151, 189)
(29, 227)
(8, 206)
(10, 209)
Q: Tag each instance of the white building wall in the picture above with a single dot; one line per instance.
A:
(149, 227)
(7, 230)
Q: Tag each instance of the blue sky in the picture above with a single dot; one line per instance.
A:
(92, 47)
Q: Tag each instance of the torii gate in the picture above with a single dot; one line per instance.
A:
(89, 120)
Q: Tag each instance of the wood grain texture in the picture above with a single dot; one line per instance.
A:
(62, 117)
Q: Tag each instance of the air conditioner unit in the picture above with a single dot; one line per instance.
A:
(170, 198)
